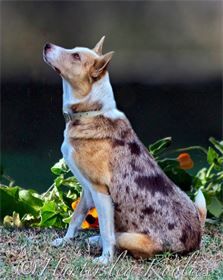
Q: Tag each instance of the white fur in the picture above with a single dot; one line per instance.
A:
(105, 209)
(83, 50)
(56, 51)
(79, 215)
(68, 96)
(200, 201)
(52, 56)
(101, 92)
(95, 241)
(114, 114)
(86, 202)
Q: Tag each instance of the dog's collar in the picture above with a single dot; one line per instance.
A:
(73, 116)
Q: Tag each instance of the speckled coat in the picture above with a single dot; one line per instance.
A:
(111, 156)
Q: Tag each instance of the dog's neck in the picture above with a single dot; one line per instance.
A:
(100, 98)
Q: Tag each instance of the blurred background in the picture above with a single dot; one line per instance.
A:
(166, 74)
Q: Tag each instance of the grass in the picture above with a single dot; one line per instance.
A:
(26, 254)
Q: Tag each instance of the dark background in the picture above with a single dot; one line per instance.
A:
(166, 74)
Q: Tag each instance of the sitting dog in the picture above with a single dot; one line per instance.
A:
(139, 208)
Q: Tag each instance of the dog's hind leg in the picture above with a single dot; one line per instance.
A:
(138, 244)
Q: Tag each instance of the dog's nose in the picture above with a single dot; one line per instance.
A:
(47, 47)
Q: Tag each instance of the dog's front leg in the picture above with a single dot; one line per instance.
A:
(105, 209)
(78, 217)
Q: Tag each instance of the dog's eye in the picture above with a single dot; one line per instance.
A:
(76, 56)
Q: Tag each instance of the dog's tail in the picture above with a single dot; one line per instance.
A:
(200, 203)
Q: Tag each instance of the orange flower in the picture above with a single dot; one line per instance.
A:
(91, 220)
(185, 161)
(75, 203)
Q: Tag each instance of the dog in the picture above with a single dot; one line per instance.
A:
(139, 208)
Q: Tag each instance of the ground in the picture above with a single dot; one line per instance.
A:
(26, 254)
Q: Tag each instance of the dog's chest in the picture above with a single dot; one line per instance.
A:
(88, 159)
(68, 151)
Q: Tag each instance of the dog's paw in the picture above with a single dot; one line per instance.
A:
(57, 242)
(60, 242)
(103, 260)
(94, 241)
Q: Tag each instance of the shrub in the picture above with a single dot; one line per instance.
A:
(53, 208)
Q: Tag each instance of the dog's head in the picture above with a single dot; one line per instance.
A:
(80, 67)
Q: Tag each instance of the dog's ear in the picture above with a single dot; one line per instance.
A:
(101, 64)
(99, 46)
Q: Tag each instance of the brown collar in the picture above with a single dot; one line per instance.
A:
(73, 116)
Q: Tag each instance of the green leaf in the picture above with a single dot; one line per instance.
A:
(67, 201)
(168, 163)
(217, 144)
(202, 174)
(27, 217)
(215, 207)
(12, 191)
(9, 202)
(160, 146)
(60, 167)
(72, 183)
(67, 219)
(50, 215)
(31, 198)
(30, 220)
(19, 200)
(212, 156)
(180, 177)
(59, 180)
